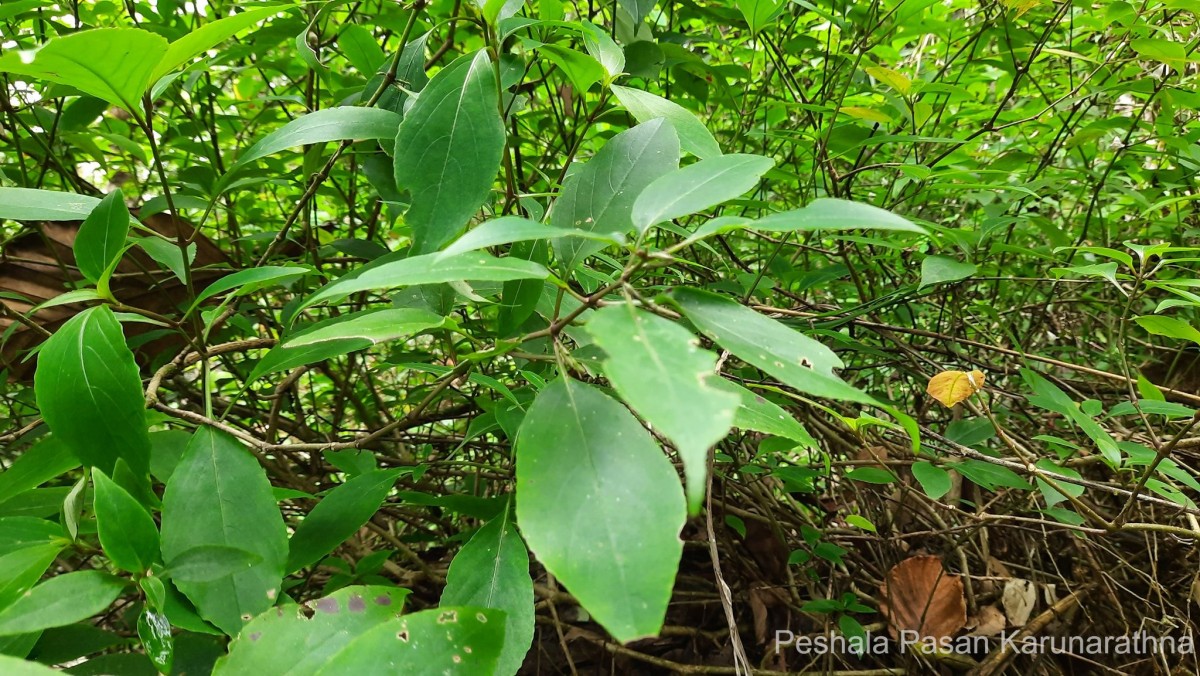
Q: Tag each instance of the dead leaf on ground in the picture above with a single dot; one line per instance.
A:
(918, 595)
(1019, 599)
(953, 387)
(989, 622)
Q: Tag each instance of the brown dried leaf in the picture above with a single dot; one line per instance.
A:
(953, 387)
(918, 595)
(989, 622)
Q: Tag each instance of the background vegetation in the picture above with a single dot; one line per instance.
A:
(577, 337)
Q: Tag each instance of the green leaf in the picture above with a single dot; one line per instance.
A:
(757, 413)
(250, 280)
(638, 9)
(509, 229)
(599, 196)
(127, 532)
(369, 326)
(458, 641)
(219, 495)
(758, 13)
(208, 563)
(27, 204)
(361, 49)
(696, 187)
(211, 34)
(167, 254)
(684, 404)
(1051, 494)
(341, 123)
(934, 480)
(1051, 398)
(991, 476)
(101, 238)
(492, 571)
(941, 269)
(289, 642)
(582, 69)
(694, 137)
(1170, 52)
(795, 359)
(154, 630)
(602, 48)
(449, 149)
(834, 214)
(22, 568)
(61, 600)
(338, 516)
(871, 475)
(600, 506)
(1169, 327)
(17, 532)
(495, 11)
(45, 460)
(90, 393)
(13, 666)
(114, 64)
(387, 273)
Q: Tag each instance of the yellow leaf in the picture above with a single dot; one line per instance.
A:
(953, 387)
(865, 114)
(894, 79)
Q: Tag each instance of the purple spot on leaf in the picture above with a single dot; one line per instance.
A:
(357, 604)
(327, 605)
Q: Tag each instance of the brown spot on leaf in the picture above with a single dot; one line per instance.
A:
(448, 616)
(383, 600)
(403, 636)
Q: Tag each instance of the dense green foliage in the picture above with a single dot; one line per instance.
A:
(627, 310)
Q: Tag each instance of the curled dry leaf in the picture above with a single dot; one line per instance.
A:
(919, 596)
(953, 387)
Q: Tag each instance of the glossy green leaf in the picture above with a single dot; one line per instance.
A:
(20, 569)
(61, 600)
(127, 532)
(795, 359)
(372, 326)
(428, 269)
(208, 563)
(27, 204)
(1169, 327)
(211, 34)
(90, 392)
(250, 280)
(219, 495)
(154, 630)
(509, 229)
(835, 214)
(338, 516)
(292, 642)
(991, 476)
(101, 238)
(941, 269)
(694, 137)
(340, 123)
(457, 641)
(599, 196)
(684, 405)
(600, 506)
(583, 70)
(492, 571)
(448, 149)
(696, 187)
(114, 64)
